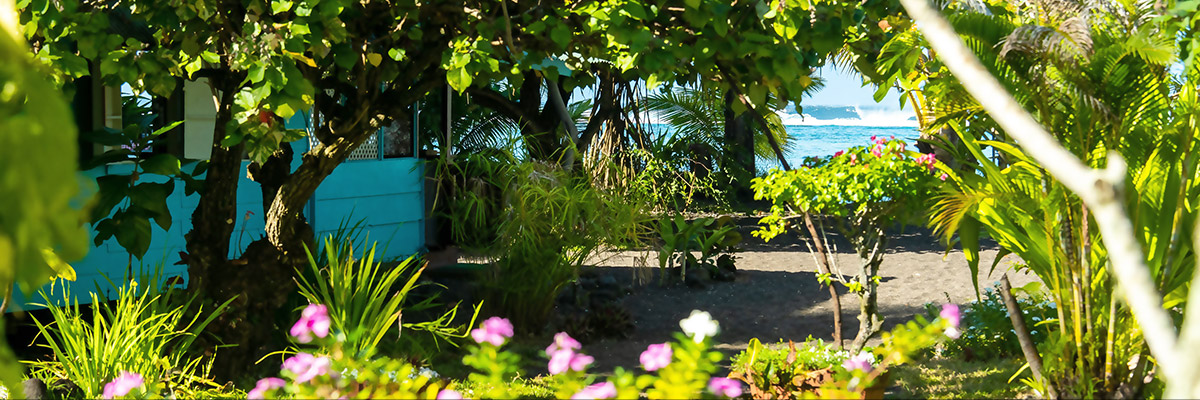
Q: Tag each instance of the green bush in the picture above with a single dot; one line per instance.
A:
(987, 332)
(143, 331)
(365, 299)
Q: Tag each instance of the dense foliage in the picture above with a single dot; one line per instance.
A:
(1104, 78)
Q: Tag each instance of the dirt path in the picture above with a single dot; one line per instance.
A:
(776, 295)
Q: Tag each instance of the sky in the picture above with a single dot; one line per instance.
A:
(845, 89)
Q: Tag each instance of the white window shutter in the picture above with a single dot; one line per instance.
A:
(200, 119)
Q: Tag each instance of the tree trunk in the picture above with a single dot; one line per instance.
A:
(271, 174)
(738, 160)
(262, 278)
(823, 267)
(1028, 348)
(869, 322)
(213, 220)
(868, 309)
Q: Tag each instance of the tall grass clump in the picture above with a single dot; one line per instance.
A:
(143, 331)
(552, 224)
(537, 224)
(365, 299)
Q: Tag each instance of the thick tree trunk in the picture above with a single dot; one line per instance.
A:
(286, 228)
(271, 174)
(214, 217)
(738, 159)
(253, 320)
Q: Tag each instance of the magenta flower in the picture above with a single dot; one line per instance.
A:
(951, 314)
(313, 320)
(927, 160)
(306, 366)
(877, 150)
(447, 394)
(567, 359)
(656, 356)
(874, 139)
(725, 387)
(839, 153)
(864, 362)
(581, 361)
(494, 330)
(560, 361)
(125, 382)
(605, 390)
(263, 386)
(563, 341)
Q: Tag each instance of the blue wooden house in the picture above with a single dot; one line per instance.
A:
(381, 185)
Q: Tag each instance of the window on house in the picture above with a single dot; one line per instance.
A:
(97, 107)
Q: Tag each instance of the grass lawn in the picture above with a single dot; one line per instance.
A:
(957, 379)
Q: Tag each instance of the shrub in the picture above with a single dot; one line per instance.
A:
(987, 331)
(866, 190)
(141, 332)
(364, 299)
(553, 223)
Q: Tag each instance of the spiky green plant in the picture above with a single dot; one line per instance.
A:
(366, 299)
(139, 332)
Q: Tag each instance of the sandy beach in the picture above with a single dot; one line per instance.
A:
(776, 295)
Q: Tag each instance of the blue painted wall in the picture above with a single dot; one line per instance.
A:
(388, 195)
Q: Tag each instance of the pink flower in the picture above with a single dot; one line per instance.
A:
(656, 356)
(604, 390)
(306, 366)
(567, 359)
(313, 320)
(125, 382)
(944, 176)
(559, 361)
(563, 341)
(494, 330)
(927, 160)
(951, 314)
(863, 361)
(447, 394)
(839, 153)
(725, 387)
(263, 386)
(853, 158)
(877, 150)
(581, 361)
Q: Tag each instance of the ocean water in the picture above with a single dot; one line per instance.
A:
(824, 140)
(819, 131)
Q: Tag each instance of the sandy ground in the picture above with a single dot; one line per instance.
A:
(776, 295)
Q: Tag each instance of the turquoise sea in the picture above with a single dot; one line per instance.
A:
(824, 140)
(819, 131)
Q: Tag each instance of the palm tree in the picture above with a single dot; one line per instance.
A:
(698, 117)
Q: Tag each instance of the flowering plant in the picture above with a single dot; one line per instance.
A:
(866, 190)
(819, 371)
(684, 368)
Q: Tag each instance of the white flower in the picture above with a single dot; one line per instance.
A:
(700, 325)
(953, 332)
